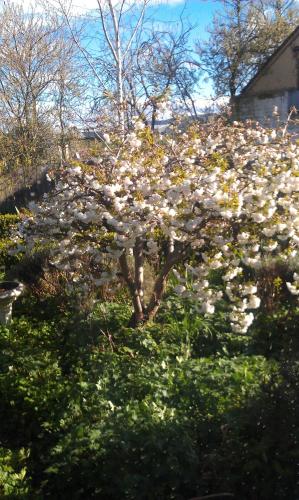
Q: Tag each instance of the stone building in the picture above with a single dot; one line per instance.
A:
(274, 87)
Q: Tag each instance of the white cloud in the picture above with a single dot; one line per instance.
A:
(211, 104)
(81, 6)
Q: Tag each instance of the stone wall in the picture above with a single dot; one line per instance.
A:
(261, 109)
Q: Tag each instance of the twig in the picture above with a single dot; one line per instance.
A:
(293, 110)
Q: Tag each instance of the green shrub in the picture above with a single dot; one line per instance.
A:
(179, 409)
(276, 335)
(12, 474)
(260, 452)
(156, 422)
(7, 223)
(86, 408)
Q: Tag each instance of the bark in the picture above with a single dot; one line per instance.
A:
(138, 315)
(138, 256)
(141, 313)
(160, 285)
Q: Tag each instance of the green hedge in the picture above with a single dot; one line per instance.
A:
(7, 223)
(12, 474)
(105, 412)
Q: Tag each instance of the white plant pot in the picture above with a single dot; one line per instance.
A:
(9, 292)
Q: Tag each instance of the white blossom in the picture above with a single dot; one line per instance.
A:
(253, 302)
(185, 200)
(207, 308)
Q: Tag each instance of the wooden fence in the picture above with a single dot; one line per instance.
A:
(15, 194)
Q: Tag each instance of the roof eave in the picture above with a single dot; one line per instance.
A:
(270, 60)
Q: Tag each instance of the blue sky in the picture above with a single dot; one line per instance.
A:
(199, 13)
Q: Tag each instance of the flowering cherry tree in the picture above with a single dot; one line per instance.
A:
(187, 202)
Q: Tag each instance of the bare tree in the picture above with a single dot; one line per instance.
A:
(110, 58)
(242, 37)
(67, 96)
(132, 64)
(165, 66)
(33, 57)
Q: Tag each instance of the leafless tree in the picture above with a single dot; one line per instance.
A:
(133, 65)
(242, 36)
(34, 59)
(109, 55)
(166, 65)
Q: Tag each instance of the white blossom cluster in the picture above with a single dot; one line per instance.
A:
(211, 198)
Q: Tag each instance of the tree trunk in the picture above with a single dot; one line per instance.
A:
(142, 314)
(137, 319)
